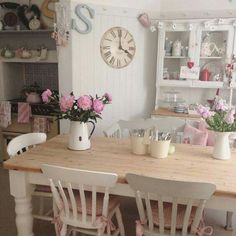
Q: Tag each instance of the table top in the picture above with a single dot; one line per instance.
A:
(166, 112)
(191, 163)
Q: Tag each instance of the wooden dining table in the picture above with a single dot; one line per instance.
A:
(188, 163)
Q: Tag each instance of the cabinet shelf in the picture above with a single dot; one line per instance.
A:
(191, 84)
(211, 58)
(173, 57)
(51, 58)
(26, 31)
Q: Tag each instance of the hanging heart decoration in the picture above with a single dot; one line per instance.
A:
(190, 64)
(27, 13)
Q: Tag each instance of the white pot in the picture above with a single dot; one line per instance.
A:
(79, 137)
(221, 148)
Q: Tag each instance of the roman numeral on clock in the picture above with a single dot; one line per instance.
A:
(107, 54)
(113, 34)
(106, 47)
(118, 63)
(129, 56)
(131, 40)
(119, 33)
(112, 61)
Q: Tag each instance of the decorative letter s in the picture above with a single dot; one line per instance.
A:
(83, 18)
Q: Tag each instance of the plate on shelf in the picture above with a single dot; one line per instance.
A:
(10, 20)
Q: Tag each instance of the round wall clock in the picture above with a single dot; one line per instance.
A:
(117, 47)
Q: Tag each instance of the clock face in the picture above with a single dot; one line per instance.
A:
(117, 47)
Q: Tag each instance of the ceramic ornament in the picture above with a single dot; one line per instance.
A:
(190, 64)
(146, 22)
(62, 27)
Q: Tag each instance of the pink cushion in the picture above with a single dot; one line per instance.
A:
(194, 136)
(43, 188)
(113, 202)
(211, 134)
(167, 215)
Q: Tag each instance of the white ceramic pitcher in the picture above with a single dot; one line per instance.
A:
(79, 137)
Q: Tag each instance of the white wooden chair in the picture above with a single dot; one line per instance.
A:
(87, 212)
(122, 127)
(17, 146)
(188, 194)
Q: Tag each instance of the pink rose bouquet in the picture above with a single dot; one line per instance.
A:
(83, 108)
(221, 118)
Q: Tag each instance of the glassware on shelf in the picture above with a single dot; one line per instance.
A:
(171, 96)
(166, 74)
(176, 49)
(168, 47)
(184, 51)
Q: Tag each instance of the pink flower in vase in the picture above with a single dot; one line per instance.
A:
(84, 102)
(66, 103)
(229, 118)
(108, 97)
(204, 112)
(220, 105)
(46, 95)
(98, 106)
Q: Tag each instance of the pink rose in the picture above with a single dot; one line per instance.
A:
(98, 106)
(46, 95)
(66, 103)
(84, 102)
(108, 97)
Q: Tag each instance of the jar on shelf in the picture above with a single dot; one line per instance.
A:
(166, 74)
(168, 47)
(176, 49)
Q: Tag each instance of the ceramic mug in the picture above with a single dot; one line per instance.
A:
(159, 149)
(138, 146)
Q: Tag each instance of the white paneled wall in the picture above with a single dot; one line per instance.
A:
(133, 87)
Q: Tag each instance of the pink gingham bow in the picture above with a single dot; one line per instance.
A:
(204, 230)
(105, 222)
(139, 227)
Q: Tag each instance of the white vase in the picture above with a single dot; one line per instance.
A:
(79, 137)
(221, 148)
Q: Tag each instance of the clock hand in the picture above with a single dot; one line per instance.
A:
(126, 51)
(120, 46)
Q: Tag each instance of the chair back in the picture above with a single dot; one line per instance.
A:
(64, 180)
(114, 131)
(176, 192)
(23, 142)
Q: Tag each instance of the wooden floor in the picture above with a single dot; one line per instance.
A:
(42, 228)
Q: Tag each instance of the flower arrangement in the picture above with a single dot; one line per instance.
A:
(84, 108)
(221, 118)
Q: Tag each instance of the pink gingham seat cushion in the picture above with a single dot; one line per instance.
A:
(113, 202)
(167, 215)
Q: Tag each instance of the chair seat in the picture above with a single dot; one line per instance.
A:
(113, 202)
(167, 215)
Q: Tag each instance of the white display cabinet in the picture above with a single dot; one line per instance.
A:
(210, 45)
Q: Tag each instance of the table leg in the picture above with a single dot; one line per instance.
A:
(22, 190)
(229, 216)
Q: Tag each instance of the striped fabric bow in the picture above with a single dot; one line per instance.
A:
(105, 223)
(204, 230)
(139, 227)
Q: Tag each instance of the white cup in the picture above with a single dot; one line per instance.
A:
(159, 149)
(138, 146)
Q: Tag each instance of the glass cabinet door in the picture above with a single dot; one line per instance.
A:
(214, 50)
(176, 46)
